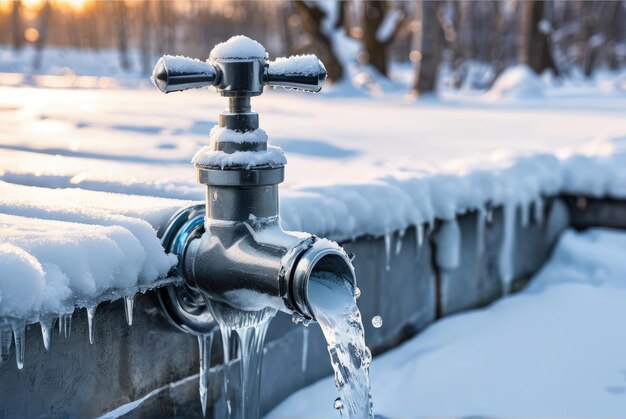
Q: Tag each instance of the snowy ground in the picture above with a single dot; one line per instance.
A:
(557, 349)
(357, 164)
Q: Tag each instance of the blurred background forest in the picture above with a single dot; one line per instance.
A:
(471, 41)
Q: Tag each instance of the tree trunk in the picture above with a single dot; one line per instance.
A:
(534, 47)
(120, 12)
(312, 18)
(373, 16)
(44, 23)
(145, 38)
(16, 23)
(430, 46)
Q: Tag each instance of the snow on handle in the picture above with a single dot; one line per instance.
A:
(238, 47)
(296, 65)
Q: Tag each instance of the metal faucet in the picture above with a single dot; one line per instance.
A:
(233, 250)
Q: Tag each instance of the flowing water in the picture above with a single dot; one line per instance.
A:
(336, 312)
(250, 328)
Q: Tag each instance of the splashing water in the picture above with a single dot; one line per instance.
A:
(336, 312)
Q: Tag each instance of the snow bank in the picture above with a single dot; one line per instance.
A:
(553, 350)
(238, 47)
(78, 244)
(518, 82)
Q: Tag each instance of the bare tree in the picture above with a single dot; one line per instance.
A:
(44, 24)
(144, 41)
(430, 44)
(381, 24)
(534, 46)
(16, 23)
(120, 12)
(320, 43)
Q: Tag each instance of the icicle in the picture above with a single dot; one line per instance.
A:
(480, 232)
(399, 242)
(538, 213)
(67, 324)
(507, 249)
(387, 251)
(525, 214)
(305, 347)
(448, 239)
(6, 337)
(19, 334)
(489, 216)
(60, 323)
(91, 313)
(129, 303)
(46, 325)
(420, 234)
(205, 342)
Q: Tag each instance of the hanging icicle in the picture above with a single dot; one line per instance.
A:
(19, 334)
(67, 324)
(205, 342)
(399, 241)
(507, 248)
(129, 303)
(46, 324)
(305, 348)
(91, 314)
(387, 251)
(480, 232)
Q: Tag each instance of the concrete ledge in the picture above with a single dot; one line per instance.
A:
(77, 379)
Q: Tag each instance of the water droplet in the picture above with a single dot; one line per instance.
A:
(338, 403)
(19, 333)
(6, 338)
(91, 313)
(46, 332)
(377, 321)
(357, 293)
(129, 303)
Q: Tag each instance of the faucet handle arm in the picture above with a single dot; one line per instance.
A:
(177, 73)
(303, 72)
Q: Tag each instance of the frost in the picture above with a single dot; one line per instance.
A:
(208, 157)
(238, 47)
(220, 134)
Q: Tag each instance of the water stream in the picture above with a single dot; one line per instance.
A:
(336, 312)
(250, 328)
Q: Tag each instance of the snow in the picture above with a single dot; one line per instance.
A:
(357, 165)
(77, 243)
(296, 65)
(519, 82)
(238, 47)
(220, 134)
(208, 157)
(181, 64)
(555, 349)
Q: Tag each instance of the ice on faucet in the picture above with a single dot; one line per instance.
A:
(304, 65)
(181, 64)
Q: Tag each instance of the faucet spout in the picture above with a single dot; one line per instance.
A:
(255, 264)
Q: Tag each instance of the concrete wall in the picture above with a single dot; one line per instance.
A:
(76, 379)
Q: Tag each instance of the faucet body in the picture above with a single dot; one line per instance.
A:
(240, 255)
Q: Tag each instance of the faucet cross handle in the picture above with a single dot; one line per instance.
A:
(239, 68)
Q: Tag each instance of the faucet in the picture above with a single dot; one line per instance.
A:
(233, 251)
